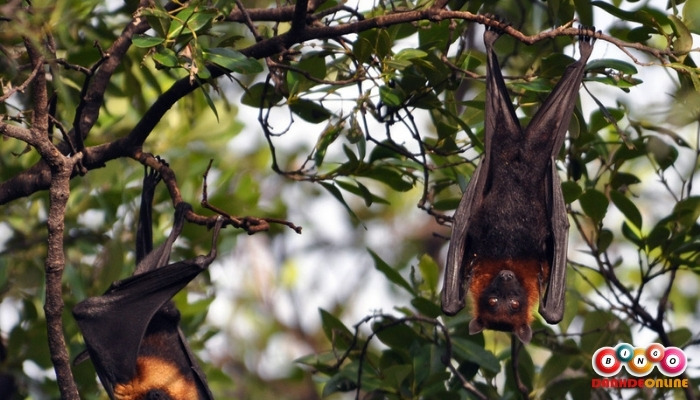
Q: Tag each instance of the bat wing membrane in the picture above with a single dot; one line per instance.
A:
(455, 287)
(552, 121)
(114, 324)
(551, 306)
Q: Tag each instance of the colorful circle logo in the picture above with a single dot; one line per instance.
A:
(638, 361)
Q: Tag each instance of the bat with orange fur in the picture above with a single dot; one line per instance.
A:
(510, 231)
(132, 331)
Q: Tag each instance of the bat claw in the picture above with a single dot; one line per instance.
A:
(502, 24)
(152, 176)
(584, 33)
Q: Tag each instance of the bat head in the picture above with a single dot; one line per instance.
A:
(504, 293)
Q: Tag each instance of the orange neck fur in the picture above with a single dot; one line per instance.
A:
(528, 272)
(155, 373)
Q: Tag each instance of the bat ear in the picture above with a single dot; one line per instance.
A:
(524, 333)
(475, 326)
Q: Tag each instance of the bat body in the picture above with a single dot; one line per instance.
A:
(510, 231)
(132, 331)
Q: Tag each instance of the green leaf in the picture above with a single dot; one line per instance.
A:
(602, 118)
(309, 111)
(468, 350)
(253, 96)
(145, 41)
(571, 191)
(210, 102)
(179, 21)
(354, 133)
(314, 65)
(166, 57)
(361, 190)
(683, 42)
(609, 331)
(632, 235)
(322, 361)
(157, 18)
(362, 49)
(339, 196)
(410, 54)
(188, 21)
(232, 60)
(339, 335)
(388, 176)
(426, 307)
(429, 270)
(201, 20)
(395, 335)
(691, 16)
(679, 337)
(645, 15)
(622, 180)
(391, 273)
(627, 207)
(584, 9)
(553, 66)
(338, 383)
(687, 211)
(658, 236)
(594, 204)
(605, 238)
(603, 64)
(664, 154)
(390, 96)
(325, 139)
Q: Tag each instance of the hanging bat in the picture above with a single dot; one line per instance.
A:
(132, 331)
(509, 237)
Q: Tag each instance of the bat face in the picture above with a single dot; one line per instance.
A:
(504, 294)
(132, 331)
(510, 230)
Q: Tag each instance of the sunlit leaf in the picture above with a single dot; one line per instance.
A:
(145, 41)
(166, 57)
(594, 204)
(390, 273)
(232, 60)
(627, 207)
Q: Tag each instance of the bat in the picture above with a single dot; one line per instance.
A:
(8, 386)
(510, 231)
(132, 331)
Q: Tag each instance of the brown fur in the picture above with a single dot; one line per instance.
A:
(154, 373)
(529, 274)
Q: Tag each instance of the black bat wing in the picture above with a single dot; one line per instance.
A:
(499, 115)
(546, 132)
(202, 384)
(115, 323)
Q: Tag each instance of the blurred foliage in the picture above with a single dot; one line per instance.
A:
(381, 121)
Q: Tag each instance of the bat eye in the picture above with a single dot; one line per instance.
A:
(493, 301)
(514, 304)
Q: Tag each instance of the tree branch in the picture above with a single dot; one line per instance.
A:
(58, 198)
(262, 49)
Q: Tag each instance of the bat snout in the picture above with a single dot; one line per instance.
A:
(506, 275)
